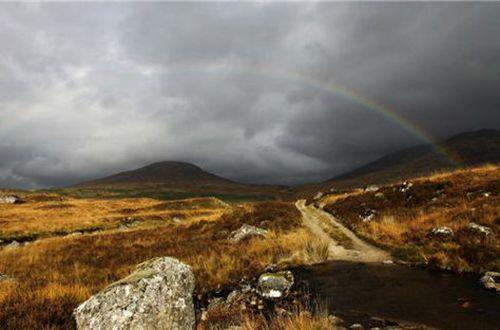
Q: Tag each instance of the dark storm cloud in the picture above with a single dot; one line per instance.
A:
(240, 89)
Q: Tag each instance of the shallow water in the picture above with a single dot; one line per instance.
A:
(439, 300)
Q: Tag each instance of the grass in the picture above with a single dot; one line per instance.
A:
(54, 275)
(44, 215)
(404, 219)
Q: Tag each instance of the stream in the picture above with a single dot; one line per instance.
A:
(356, 291)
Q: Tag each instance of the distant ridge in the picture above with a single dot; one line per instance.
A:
(471, 148)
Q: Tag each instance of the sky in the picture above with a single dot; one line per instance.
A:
(257, 92)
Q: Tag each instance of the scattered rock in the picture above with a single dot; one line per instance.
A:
(4, 277)
(246, 232)
(335, 320)
(367, 215)
(318, 196)
(405, 186)
(380, 195)
(388, 262)
(176, 220)
(9, 199)
(487, 194)
(12, 245)
(157, 295)
(356, 326)
(275, 285)
(478, 229)
(371, 188)
(491, 281)
(442, 232)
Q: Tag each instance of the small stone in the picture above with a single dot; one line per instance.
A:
(443, 232)
(388, 262)
(491, 281)
(356, 326)
(482, 230)
(275, 285)
(13, 245)
(246, 232)
(371, 188)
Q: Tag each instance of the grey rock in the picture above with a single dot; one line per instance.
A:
(4, 277)
(356, 326)
(491, 281)
(246, 232)
(318, 196)
(9, 199)
(371, 188)
(12, 245)
(157, 295)
(478, 229)
(443, 232)
(275, 285)
(405, 186)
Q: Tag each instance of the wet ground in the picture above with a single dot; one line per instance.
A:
(357, 291)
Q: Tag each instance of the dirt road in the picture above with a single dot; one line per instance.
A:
(360, 251)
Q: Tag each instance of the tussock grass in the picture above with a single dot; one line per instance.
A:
(54, 275)
(50, 215)
(452, 199)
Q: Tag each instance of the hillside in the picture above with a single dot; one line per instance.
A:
(169, 173)
(171, 180)
(463, 150)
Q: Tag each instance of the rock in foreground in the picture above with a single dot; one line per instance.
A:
(157, 295)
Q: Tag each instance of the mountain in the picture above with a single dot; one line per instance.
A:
(171, 180)
(168, 173)
(462, 150)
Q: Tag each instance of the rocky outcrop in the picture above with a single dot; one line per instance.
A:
(9, 199)
(245, 232)
(491, 281)
(275, 285)
(157, 295)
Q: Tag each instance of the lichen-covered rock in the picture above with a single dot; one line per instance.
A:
(491, 281)
(478, 229)
(9, 199)
(371, 188)
(4, 277)
(275, 285)
(442, 232)
(13, 245)
(157, 295)
(246, 232)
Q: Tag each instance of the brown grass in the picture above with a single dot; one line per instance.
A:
(55, 274)
(404, 219)
(49, 215)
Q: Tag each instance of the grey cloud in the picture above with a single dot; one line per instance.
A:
(244, 90)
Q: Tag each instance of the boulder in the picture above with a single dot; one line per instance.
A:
(442, 232)
(478, 229)
(275, 285)
(491, 281)
(156, 295)
(246, 232)
(9, 199)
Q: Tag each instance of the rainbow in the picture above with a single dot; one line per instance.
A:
(369, 104)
